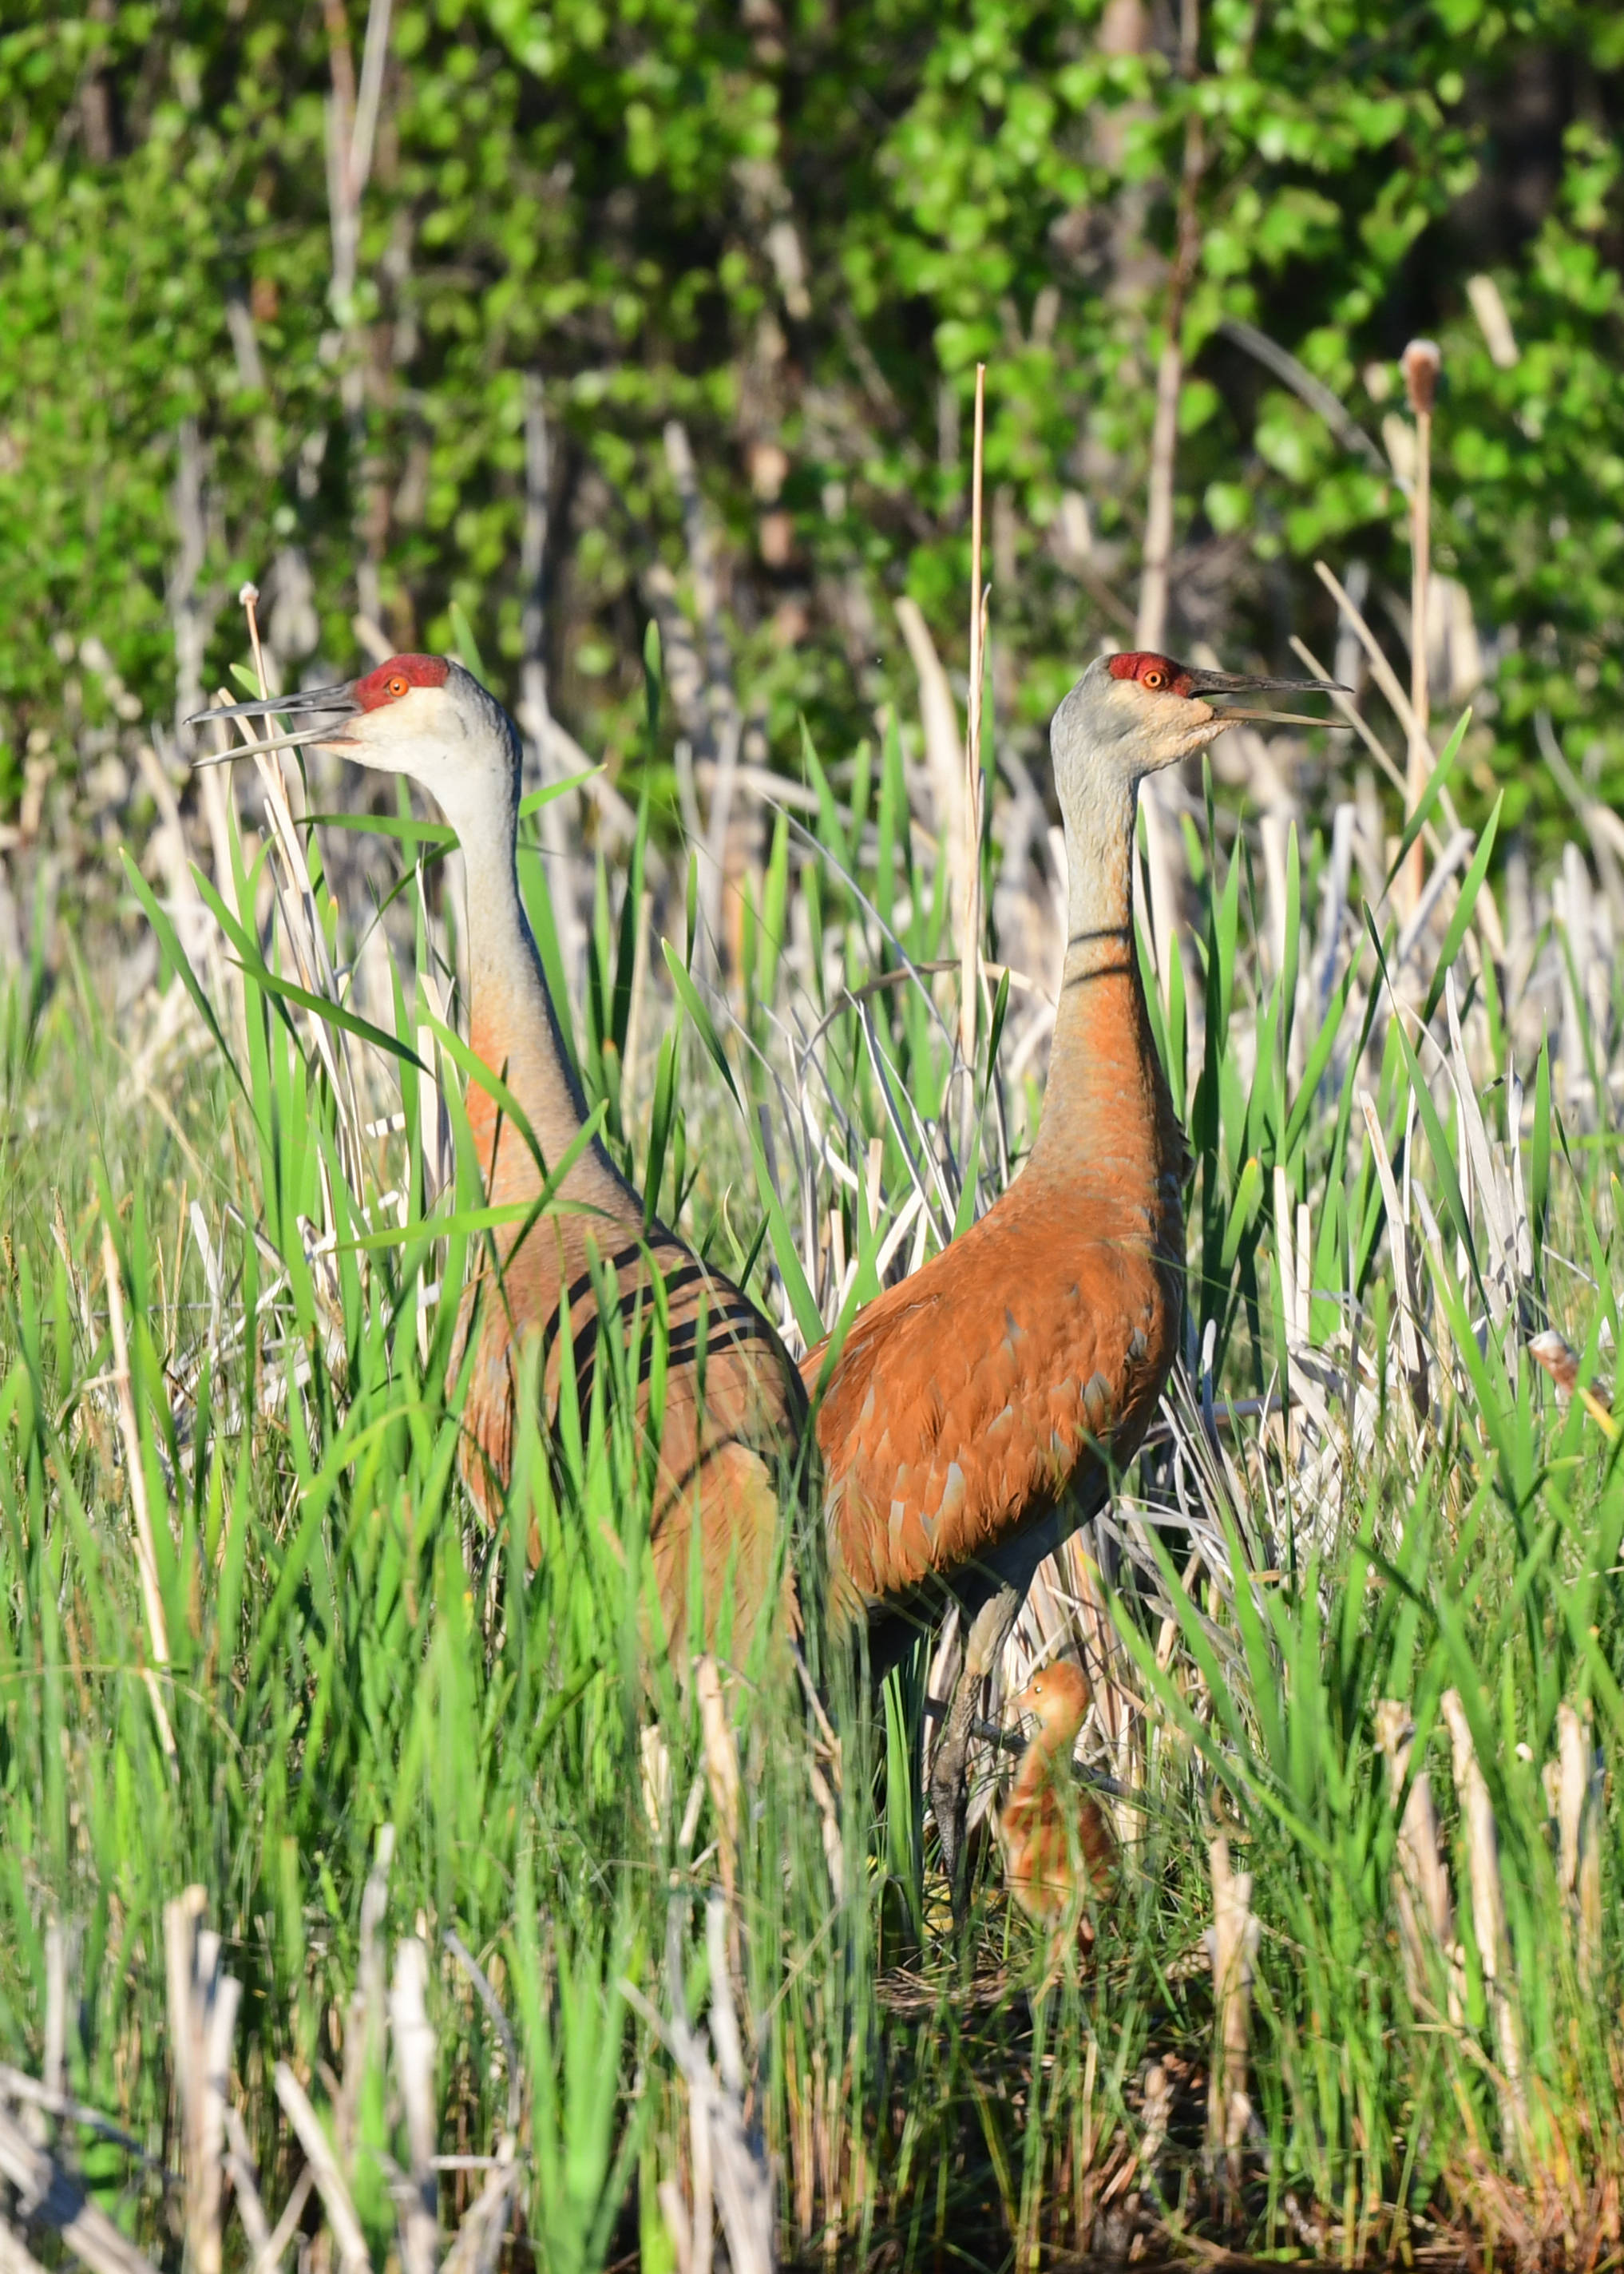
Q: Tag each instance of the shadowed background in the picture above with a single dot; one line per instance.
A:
(475, 304)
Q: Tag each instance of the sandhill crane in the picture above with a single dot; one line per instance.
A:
(977, 1410)
(732, 1459)
(1057, 1846)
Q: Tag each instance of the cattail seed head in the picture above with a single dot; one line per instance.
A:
(1419, 364)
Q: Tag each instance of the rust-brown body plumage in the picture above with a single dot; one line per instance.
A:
(733, 1408)
(998, 1385)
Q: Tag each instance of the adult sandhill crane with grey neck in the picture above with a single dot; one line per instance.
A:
(734, 1409)
(978, 1410)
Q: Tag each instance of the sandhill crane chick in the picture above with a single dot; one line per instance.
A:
(1058, 1847)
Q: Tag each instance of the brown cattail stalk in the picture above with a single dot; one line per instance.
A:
(1419, 364)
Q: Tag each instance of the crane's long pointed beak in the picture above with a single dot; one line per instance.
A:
(258, 750)
(307, 703)
(312, 702)
(1209, 683)
(1216, 686)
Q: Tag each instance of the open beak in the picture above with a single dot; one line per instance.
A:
(315, 704)
(1215, 686)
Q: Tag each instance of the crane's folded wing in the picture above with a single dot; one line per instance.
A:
(970, 1399)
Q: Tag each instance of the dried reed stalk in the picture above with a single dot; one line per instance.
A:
(1578, 1833)
(351, 118)
(721, 1761)
(704, 691)
(1412, 1355)
(335, 2196)
(1420, 364)
(1150, 629)
(55, 2198)
(306, 938)
(1421, 1889)
(15, 2255)
(945, 758)
(970, 913)
(53, 2067)
(202, 2006)
(1488, 1910)
(730, 2170)
(1150, 623)
(363, 2024)
(135, 1468)
(418, 2205)
(1231, 1946)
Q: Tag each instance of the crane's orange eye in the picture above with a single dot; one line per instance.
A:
(1153, 679)
(398, 684)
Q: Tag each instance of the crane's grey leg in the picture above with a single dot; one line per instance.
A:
(949, 1793)
(989, 1603)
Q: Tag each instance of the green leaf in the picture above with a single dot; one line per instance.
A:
(1472, 885)
(1243, 1209)
(322, 1006)
(1426, 804)
(698, 1010)
(808, 1318)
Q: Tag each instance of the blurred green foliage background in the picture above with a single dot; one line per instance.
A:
(280, 282)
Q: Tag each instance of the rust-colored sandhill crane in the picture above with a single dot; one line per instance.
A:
(728, 1453)
(977, 1410)
(1057, 1847)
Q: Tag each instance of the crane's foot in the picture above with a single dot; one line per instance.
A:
(949, 1784)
